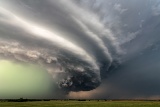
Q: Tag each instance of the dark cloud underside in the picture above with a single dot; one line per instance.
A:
(108, 48)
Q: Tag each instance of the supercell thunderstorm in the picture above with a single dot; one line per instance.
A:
(77, 63)
(77, 42)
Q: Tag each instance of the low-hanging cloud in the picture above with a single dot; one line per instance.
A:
(81, 43)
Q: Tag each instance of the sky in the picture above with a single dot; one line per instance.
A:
(94, 49)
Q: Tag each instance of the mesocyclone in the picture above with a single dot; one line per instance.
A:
(71, 42)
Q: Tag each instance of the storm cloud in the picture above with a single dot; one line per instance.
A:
(86, 45)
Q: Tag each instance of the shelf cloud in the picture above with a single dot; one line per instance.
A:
(86, 46)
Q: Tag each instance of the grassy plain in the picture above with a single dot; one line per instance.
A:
(82, 104)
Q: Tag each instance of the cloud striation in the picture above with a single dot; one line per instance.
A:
(80, 43)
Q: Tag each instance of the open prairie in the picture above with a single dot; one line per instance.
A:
(82, 104)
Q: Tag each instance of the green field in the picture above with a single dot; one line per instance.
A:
(82, 104)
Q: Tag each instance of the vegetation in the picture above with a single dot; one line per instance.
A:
(73, 103)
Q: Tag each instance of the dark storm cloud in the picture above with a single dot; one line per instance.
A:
(64, 57)
(138, 31)
(82, 42)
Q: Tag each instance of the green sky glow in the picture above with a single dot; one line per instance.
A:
(27, 81)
